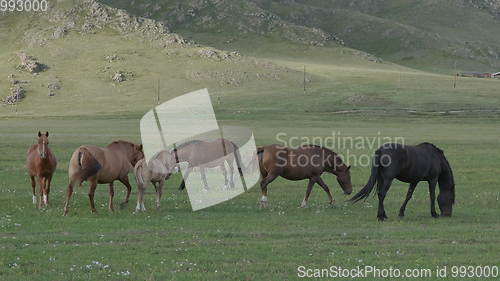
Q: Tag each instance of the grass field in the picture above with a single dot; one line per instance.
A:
(237, 240)
(346, 93)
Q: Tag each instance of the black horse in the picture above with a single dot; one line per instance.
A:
(411, 164)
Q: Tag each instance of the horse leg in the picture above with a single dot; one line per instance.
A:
(33, 188)
(408, 197)
(263, 187)
(140, 195)
(47, 188)
(93, 186)
(159, 191)
(68, 197)
(204, 178)
(111, 195)
(129, 190)
(382, 191)
(41, 187)
(432, 195)
(310, 185)
(231, 173)
(224, 173)
(184, 178)
(325, 188)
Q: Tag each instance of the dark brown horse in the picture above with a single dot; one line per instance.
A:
(41, 163)
(411, 164)
(102, 165)
(305, 162)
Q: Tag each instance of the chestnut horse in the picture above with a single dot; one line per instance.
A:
(102, 165)
(305, 162)
(41, 163)
(157, 171)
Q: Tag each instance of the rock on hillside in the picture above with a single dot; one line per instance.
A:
(229, 17)
(89, 15)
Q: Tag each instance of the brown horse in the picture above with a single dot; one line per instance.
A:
(41, 163)
(305, 162)
(100, 166)
(208, 154)
(157, 171)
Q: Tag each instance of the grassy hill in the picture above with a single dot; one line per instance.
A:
(92, 48)
(427, 34)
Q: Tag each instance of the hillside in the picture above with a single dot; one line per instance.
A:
(427, 34)
(102, 61)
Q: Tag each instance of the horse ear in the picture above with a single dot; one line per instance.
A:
(140, 147)
(39, 134)
(47, 134)
(348, 168)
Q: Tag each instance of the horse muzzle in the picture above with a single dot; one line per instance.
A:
(43, 155)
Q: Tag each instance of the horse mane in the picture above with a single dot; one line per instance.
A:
(335, 155)
(120, 142)
(433, 146)
(187, 143)
(449, 173)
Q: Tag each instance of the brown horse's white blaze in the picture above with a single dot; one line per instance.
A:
(41, 163)
(306, 162)
(102, 165)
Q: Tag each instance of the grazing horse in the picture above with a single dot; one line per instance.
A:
(41, 163)
(208, 154)
(157, 171)
(411, 164)
(101, 165)
(305, 162)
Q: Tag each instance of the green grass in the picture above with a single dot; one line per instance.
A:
(237, 240)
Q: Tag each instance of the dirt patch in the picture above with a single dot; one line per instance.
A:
(365, 100)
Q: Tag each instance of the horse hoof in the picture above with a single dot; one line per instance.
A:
(435, 215)
(263, 204)
(401, 215)
(382, 217)
(123, 205)
(303, 204)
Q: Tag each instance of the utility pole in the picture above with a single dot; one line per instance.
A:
(456, 76)
(305, 91)
(158, 93)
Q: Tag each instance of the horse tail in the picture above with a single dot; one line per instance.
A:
(237, 158)
(367, 189)
(138, 172)
(87, 164)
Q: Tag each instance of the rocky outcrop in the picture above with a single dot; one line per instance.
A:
(89, 16)
(17, 94)
(492, 6)
(30, 63)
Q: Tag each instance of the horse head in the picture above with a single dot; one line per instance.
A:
(344, 179)
(446, 197)
(43, 144)
(137, 154)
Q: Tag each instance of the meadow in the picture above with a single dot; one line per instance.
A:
(345, 93)
(237, 240)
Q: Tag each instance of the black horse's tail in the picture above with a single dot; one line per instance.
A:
(367, 189)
